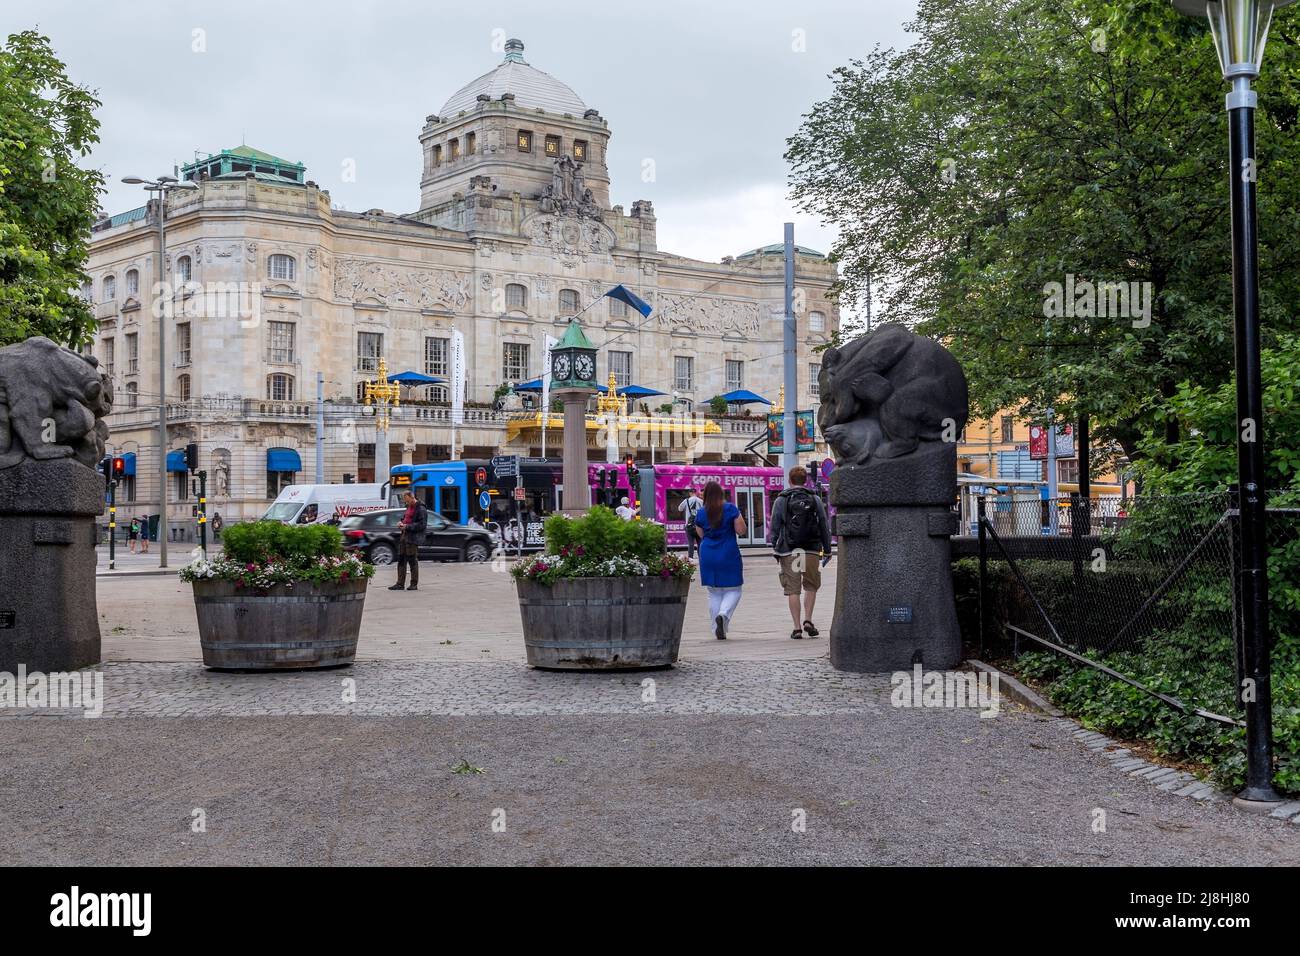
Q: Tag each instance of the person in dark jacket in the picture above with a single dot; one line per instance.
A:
(412, 527)
(801, 543)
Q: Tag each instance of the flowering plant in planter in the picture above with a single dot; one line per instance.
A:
(262, 554)
(600, 544)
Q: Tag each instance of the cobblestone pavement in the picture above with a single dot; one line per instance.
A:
(404, 688)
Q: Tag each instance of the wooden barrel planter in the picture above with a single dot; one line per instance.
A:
(603, 623)
(281, 628)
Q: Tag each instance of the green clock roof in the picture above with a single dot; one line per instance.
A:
(575, 338)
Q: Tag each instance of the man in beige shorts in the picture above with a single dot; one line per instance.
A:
(801, 542)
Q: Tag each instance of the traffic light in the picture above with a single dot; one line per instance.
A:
(119, 467)
(600, 486)
(632, 471)
(192, 457)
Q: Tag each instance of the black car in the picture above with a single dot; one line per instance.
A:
(375, 536)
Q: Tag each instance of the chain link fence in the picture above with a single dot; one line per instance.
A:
(1145, 590)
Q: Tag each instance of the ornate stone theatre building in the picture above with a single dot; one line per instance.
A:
(267, 286)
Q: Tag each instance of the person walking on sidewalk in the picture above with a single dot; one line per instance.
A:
(412, 527)
(132, 534)
(717, 527)
(690, 509)
(801, 542)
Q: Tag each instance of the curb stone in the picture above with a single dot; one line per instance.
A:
(1170, 779)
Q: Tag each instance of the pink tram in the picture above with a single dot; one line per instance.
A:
(662, 489)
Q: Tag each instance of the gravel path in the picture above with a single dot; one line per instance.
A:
(876, 785)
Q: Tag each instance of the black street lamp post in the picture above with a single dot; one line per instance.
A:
(1240, 28)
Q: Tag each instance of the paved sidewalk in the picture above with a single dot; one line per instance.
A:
(894, 787)
(471, 606)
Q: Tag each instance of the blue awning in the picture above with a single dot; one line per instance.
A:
(128, 463)
(176, 461)
(282, 459)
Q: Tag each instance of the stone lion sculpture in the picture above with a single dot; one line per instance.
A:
(886, 392)
(52, 404)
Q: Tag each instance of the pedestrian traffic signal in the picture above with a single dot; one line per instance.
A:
(119, 467)
(192, 457)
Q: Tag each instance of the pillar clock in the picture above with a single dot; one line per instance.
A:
(573, 376)
(573, 360)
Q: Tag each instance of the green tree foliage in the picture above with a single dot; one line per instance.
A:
(47, 203)
(1018, 141)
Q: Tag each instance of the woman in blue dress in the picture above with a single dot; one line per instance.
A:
(717, 525)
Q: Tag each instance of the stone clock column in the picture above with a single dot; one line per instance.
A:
(573, 381)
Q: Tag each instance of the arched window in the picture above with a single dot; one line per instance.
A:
(110, 288)
(132, 282)
(516, 296)
(183, 388)
(283, 267)
(132, 395)
(184, 269)
(279, 387)
(570, 301)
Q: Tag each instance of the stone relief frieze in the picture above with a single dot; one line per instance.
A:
(357, 279)
(569, 237)
(708, 314)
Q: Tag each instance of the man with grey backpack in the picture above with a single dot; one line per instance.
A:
(801, 542)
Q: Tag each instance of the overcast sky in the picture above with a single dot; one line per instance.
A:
(708, 90)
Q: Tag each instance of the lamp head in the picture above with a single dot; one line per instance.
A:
(132, 180)
(1240, 29)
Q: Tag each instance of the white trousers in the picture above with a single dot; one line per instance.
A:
(723, 601)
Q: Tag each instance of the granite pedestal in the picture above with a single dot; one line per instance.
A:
(894, 601)
(48, 616)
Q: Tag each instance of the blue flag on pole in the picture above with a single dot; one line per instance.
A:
(624, 295)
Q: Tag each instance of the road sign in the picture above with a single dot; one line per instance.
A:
(505, 466)
(480, 478)
(484, 501)
(520, 494)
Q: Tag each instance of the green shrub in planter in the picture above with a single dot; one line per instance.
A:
(261, 554)
(601, 544)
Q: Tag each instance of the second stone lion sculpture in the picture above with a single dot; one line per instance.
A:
(52, 404)
(886, 392)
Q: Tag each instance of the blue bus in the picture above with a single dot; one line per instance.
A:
(457, 490)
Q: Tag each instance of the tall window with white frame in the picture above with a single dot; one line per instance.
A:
(282, 267)
(183, 388)
(735, 370)
(110, 288)
(814, 370)
(620, 366)
(132, 282)
(132, 395)
(370, 346)
(514, 362)
(184, 269)
(106, 351)
(684, 373)
(816, 322)
(132, 353)
(435, 356)
(182, 343)
(279, 387)
(280, 342)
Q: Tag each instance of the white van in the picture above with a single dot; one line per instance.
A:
(317, 504)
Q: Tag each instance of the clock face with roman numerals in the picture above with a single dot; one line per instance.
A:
(560, 367)
(586, 367)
